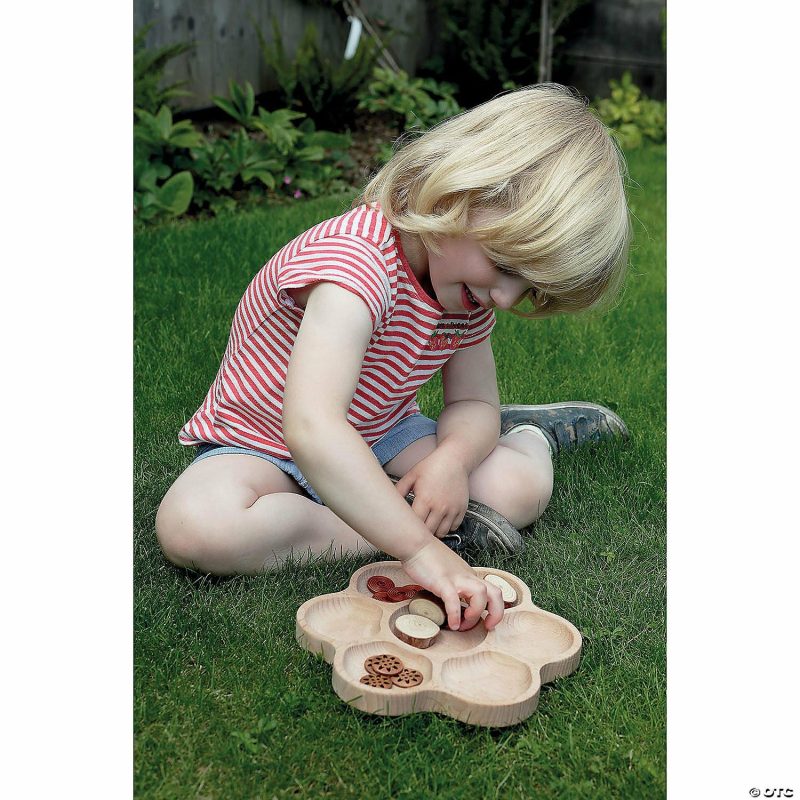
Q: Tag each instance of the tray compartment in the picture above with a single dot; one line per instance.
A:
(486, 677)
(447, 642)
(391, 569)
(534, 636)
(343, 618)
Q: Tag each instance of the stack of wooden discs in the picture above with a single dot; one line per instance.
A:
(383, 588)
(385, 671)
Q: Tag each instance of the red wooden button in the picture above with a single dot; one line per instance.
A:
(379, 583)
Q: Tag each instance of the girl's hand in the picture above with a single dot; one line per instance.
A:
(440, 570)
(441, 492)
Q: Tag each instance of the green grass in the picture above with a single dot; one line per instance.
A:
(228, 706)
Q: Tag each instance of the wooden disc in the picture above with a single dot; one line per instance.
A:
(508, 591)
(378, 681)
(383, 664)
(407, 678)
(380, 583)
(428, 605)
(416, 630)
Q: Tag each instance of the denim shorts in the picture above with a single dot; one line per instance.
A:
(406, 432)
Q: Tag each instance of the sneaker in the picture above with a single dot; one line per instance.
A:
(481, 529)
(566, 426)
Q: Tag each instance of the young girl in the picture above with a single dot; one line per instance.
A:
(313, 408)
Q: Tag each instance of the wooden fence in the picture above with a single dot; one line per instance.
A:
(607, 37)
(227, 45)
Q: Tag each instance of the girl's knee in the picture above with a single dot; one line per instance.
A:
(529, 487)
(514, 484)
(191, 536)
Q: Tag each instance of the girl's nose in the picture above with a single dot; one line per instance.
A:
(508, 291)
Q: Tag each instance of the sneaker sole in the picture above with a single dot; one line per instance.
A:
(498, 538)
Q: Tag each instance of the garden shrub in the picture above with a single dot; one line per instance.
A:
(157, 143)
(158, 190)
(268, 154)
(416, 103)
(488, 44)
(148, 72)
(630, 115)
(269, 148)
(312, 83)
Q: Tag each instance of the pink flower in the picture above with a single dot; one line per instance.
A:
(287, 179)
(298, 194)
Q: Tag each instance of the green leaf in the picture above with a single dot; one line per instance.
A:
(329, 140)
(176, 194)
(186, 138)
(148, 179)
(226, 106)
(164, 122)
(312, 153)
(162, 170)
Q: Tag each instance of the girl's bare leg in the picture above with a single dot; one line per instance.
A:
(239, 514)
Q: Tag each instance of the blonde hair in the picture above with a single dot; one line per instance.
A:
(547, 166)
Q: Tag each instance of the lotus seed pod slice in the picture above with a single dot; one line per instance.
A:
(407, 678)
(377, 681)
(384, 664)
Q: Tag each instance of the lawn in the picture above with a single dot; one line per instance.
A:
(228, 706)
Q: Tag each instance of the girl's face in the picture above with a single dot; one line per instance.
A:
(465, 279)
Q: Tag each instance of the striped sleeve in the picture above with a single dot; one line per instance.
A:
(480, 327)
(348, 261)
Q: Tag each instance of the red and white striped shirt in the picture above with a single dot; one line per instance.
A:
(412, 335)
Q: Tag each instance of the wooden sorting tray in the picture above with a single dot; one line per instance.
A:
(480, 677)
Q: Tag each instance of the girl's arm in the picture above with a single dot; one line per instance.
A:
(466, 432)
(469, 425)
(323, 373)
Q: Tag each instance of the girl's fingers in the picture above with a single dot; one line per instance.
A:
(457, 520)
(405, 484)
(452, 607)
(470, 618)
(433, 521)
(477, 603)
(444, 526)
(494, 602)
(421, 509)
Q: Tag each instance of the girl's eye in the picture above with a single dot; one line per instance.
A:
(504, 270)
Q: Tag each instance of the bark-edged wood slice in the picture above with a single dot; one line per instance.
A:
(416, 630)
(508, 591)
(427, 604)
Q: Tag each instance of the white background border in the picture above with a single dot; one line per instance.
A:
(734, 298)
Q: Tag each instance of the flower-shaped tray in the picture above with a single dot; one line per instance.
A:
(480, 677)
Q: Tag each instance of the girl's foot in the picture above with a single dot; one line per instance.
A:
(484, 529)
(566, 426)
